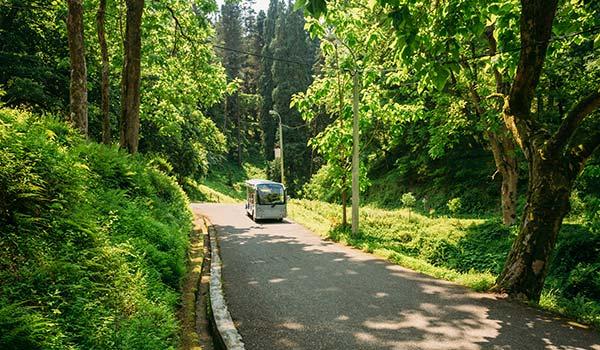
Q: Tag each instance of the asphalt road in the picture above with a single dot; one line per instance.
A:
(288, 289)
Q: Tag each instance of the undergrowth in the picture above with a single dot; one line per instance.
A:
(92, 242)
(470, 252)
(469, 249)
(225, 182)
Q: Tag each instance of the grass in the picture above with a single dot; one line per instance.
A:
(190, 339)
(93, 242)
(470, 252)
(225, 183)
(416, 243)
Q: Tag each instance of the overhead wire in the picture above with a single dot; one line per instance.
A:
(591, 30)
(306, 63)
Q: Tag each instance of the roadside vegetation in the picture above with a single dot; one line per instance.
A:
(93, 242)
(470, 252)
(452, 241)
(225, 182)
(473, 136)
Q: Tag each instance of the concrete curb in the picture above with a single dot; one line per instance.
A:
(224, 327)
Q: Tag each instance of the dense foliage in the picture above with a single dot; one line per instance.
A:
(268, 58)
(181, 75)
(92, 242)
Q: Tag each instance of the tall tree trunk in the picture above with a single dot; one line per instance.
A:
(131, 80)
(549, 187)
(78, 87)
(551, 175)
(100, 20)
(505, 158)
(503, 149)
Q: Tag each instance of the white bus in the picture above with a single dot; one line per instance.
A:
(265, 200)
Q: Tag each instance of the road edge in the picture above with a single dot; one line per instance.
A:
(191, 338)
(223, 327)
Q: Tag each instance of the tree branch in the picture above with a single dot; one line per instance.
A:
(499, 95)
(569, 125)
(535, 29)
(177, 24)
(585, 147)
(493, 45)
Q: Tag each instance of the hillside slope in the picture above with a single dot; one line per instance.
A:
(93, 242)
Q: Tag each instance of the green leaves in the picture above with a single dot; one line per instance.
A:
(315, 8)
(440, 76)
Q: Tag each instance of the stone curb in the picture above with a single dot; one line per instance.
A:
(224, 326)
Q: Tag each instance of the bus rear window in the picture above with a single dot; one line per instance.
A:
(270, 194)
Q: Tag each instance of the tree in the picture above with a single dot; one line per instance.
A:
(555, 154)
(105, 84)
(40, 82)
(291, 42)
(408, 201)
(131, 78)
(555, 159)
(78, 88)
(230, 34)
(182, 81)
(266, 78)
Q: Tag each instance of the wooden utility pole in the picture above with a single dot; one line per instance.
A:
(355, 150)
(281, 150)
(273, 112)
(78, 87)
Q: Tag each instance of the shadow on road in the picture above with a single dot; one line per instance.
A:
(287, 289)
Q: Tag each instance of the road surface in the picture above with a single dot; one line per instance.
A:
(288, 289)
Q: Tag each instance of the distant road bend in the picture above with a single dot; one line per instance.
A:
(288, 289)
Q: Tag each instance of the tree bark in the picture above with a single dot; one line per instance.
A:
(505, 158)
(78, 88)
(100, 20)
(344, 207)
(549, 187)
(131, 79)
(503, 149)
(552, 170)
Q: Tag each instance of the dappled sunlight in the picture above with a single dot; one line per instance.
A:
(287, 289)
(276, 280)
(293, 326)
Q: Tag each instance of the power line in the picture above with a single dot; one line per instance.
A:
(591, 30)
(307, 63)
(295, 127)
(389, 70)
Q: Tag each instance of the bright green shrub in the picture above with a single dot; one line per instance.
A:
(454, 205)
(408, 200)
(92, 242)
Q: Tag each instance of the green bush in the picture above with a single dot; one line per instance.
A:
(454, 205)
(92, 242)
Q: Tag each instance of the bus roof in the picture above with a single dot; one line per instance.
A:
(255, 182)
